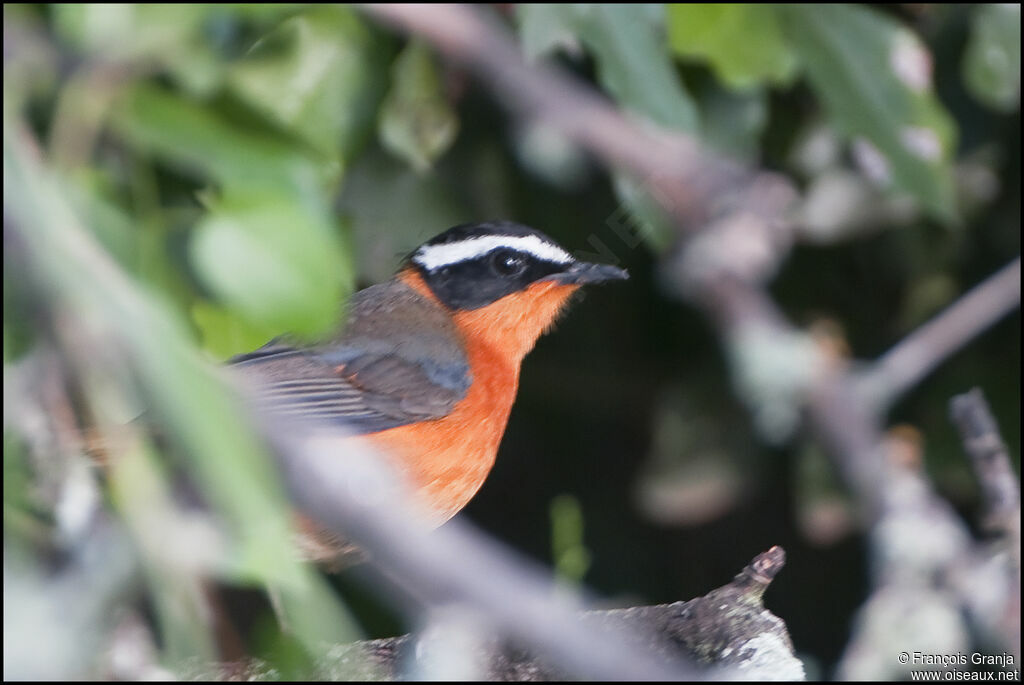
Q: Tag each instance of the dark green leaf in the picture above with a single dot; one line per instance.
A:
(200, 140)
(544, 28)
(874, 77)
(629, 45)
(733, 121)
(385, 230)
(416, 121)
(318, 75)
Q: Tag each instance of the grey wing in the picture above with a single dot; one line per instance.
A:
(400, 360)
(368, 393)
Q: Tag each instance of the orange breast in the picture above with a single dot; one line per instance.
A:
(448, 459)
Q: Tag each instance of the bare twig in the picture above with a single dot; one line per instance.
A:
(917, 355)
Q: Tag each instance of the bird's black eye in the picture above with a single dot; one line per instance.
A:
(508, 263)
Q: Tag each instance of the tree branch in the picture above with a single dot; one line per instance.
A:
(1000, 488)
(455, 564)
(728, 628)
(989, 458)
(917, 355)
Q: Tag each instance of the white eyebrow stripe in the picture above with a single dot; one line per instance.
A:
(434, 256)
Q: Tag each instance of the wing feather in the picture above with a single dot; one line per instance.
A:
(380, 375)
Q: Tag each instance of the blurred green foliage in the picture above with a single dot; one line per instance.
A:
(245, 166)
(568, 552)
(992, 60)
(868, 69)
(744, 44)
(416, 121)
(874, 76)
(625, 40)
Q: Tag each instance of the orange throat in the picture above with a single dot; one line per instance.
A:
(511, 325)
(448, 459)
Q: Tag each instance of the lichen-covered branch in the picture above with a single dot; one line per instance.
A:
(727, 630)
(1000, 488)
(989, 458)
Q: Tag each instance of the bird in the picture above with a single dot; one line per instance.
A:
(426, 365)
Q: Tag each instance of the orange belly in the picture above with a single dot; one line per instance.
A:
(448, 459)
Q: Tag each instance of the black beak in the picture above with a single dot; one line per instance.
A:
(580, 273)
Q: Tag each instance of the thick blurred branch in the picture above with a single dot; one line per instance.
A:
(69, 603)
(455, 564)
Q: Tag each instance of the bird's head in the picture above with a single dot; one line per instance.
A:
(505, 283)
